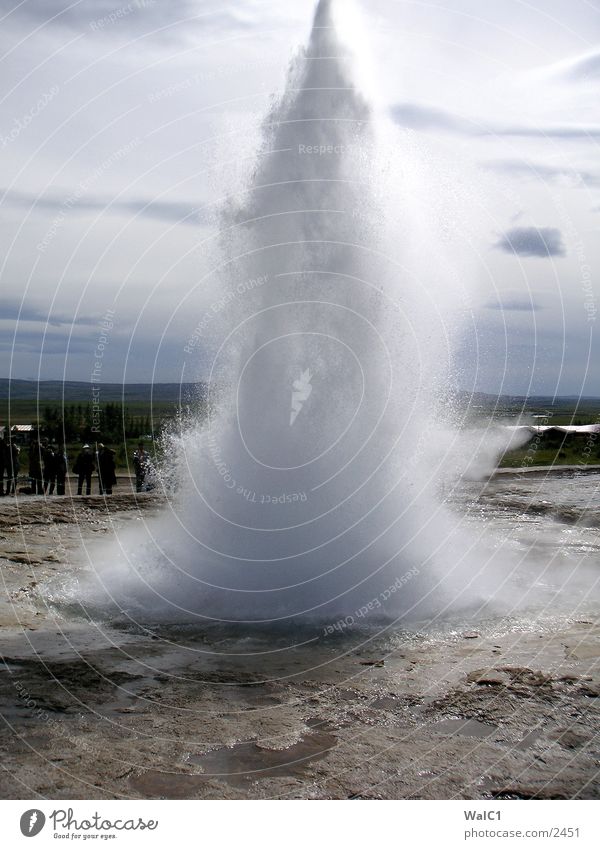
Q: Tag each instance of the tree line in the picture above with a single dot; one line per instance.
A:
(73, 422)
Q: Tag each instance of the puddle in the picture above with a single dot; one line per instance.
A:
(239, 766)
(465, 727)
(246, 762)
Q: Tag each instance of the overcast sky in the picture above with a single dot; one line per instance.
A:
(122, 124)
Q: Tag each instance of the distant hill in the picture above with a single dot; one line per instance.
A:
(80, 391)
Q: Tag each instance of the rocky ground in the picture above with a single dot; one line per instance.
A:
(501, 709)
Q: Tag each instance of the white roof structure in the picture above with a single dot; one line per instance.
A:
(592, 428)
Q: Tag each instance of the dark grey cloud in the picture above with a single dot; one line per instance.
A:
(547, 173)
(513, 302)
(36, 342)
(532, 241)
(14, 310)
(171, 211)
(415, 116)
(109, 17)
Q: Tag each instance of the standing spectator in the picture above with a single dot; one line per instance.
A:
(12, 467)
(2, 464)
(49, 467)
(61, 465)
(141, 464)
(99, 450)
(35, 467)
(84, 468)
(106, 470)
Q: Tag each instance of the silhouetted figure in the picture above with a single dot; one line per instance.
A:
(2, 464)
(106, 470)
(35, 467)
(62, 467)
(141, 464)
(49, 469)
(84, 468)
(12, 467)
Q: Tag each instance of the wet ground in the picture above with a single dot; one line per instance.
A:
(503, 707)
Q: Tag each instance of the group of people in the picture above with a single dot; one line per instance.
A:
(104, 463)
(48, 468)
(86, 464)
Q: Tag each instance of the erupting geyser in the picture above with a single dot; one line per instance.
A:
(312, 490)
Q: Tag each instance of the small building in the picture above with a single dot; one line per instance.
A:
(22, 434)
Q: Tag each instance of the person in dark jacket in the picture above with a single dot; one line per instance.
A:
(141, 465)
(106, 470)
(49, 468)
(2, 464)
(35, 467)
(62, 467)
(84, 468)
(12, 467)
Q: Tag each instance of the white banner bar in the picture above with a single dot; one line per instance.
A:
(289, 824)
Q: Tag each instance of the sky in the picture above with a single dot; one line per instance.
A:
(123, 125)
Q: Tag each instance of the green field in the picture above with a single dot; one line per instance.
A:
(142, 410)
(567, 455)
(24, 411)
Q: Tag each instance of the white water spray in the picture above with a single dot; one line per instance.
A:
(312, 492)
